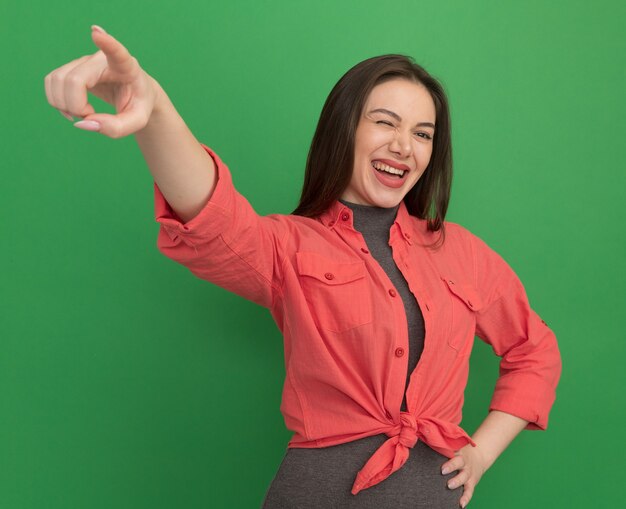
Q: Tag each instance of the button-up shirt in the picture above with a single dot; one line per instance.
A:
(344, 324)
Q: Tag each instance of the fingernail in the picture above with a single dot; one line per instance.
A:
(88, 125)
(445, 471)
(67, 115)
(98, 29)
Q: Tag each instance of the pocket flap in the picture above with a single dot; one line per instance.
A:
(329, 271)
(467, 293)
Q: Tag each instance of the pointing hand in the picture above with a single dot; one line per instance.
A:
(110, 74)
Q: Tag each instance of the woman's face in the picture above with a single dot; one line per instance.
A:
(395, 132)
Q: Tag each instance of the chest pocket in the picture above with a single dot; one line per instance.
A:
(338, 294)
(465, 301)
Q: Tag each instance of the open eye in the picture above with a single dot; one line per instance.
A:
(426, 136)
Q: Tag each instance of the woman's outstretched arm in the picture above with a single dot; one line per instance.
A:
(182, 169)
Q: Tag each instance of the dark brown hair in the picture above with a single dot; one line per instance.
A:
(331, 156)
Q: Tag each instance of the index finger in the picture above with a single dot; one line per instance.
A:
(118, 58)
(454, 463)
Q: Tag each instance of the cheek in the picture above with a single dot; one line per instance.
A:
(424, 153)
(373, 141)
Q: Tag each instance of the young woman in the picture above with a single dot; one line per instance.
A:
(378, 298)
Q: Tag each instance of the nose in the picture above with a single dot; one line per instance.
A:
(401, 144)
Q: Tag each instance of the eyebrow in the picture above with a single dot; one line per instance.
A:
(397, 117)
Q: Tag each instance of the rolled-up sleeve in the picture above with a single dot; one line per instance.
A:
(227, 242)
(530, 365)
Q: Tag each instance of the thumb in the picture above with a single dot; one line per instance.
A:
(113, 126)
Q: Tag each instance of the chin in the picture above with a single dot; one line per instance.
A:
(387, 202)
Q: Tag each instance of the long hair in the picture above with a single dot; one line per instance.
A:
(330, 160)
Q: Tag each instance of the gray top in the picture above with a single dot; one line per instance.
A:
(374, 224)
(321, 478)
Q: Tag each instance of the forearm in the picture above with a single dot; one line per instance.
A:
(183, 170)
(495, 433)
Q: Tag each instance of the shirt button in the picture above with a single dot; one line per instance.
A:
(329, 275)
(399, 352)
(345, 216)
(364, 250)
(392, 292)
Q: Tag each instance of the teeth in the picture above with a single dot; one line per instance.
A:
(384, 167)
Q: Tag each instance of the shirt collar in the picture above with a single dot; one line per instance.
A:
(340, 215)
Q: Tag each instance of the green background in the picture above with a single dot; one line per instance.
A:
(126, 382)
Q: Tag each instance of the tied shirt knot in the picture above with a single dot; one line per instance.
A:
(406, 430)
(403, 436)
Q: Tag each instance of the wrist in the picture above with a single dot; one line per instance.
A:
(162, 108)
(486, 460)
(161, 100)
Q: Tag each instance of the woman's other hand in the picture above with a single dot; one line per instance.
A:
(471, 465)
(110, 74)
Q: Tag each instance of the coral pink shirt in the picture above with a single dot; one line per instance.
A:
(345, 329)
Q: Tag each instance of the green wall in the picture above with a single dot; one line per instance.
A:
(126, 382)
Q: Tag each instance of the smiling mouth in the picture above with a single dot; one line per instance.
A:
(388, 170)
